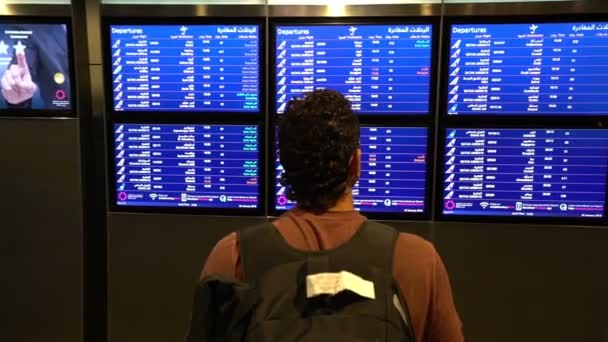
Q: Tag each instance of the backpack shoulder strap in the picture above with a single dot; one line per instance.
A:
(372, 246)
(262, 248)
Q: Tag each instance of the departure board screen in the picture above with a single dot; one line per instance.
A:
(379, 68)
(528, 69)
(393, 171)
(526, 172)
(209, 68)
(204, 166)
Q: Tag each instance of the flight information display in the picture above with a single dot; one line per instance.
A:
(379, 68)
(204, 166)
(393, 171)
(210, 68)
(526, 172)
(528, 69)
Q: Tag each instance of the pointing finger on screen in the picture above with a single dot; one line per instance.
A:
(17, 84)
(22, 63)
(17, 79)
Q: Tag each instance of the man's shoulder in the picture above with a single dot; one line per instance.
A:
(222, 259)
(408, 240)
(414, 254)
(226, 242)
(224, 248)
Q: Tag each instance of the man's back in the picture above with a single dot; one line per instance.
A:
(417, 267)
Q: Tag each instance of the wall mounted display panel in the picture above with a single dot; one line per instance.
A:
(380, 68)
(340, 3)
(214, 166)
(525, 172)
(526, 67)
(394, 172)
(498, 1)
(183, 2)
(36, 67)
(36, 2)
(185, 67)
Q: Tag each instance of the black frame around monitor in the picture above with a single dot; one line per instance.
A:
(294, 21)
(507, 118)
(72, 112)
(259, 211)
(107, 22)
(426, 215)
(440, 176)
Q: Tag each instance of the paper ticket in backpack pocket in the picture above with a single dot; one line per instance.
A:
(334, 283)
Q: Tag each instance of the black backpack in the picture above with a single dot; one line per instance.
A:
(272, 305)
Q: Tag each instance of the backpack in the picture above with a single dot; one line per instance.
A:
(273, 305)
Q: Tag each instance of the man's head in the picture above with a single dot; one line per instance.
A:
(319, 149)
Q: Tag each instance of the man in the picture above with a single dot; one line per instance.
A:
(319, 149)
(41, 63)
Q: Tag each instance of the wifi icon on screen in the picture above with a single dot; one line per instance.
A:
(484, 204)
(153, 196)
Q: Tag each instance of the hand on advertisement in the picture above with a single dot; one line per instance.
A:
(17, 84)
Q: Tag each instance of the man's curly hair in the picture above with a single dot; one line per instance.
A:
(318, 136)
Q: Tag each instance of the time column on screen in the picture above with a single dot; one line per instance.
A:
(230, 169)
(564, 71)
(228, 68)
(397, 69)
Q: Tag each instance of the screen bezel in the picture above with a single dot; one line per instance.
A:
(508, 117)
(114, 207)
(440, 176)
(30, 112)
(361, 21)
(426, 215)
(108, 22)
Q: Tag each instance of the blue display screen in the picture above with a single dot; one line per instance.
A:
(393, 171)
(526, 172)
(379, 68)
(523, 69)
(210, 68)
(205, 166)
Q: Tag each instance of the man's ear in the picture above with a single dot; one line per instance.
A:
(355, 167)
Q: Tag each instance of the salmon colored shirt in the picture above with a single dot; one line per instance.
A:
(417, 267)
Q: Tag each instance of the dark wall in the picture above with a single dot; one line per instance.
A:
(154, 262)
(528, 283)
(40, 287)
(511, 282)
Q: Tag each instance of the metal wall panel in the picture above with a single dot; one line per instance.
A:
(417, 9)
(41, 230)
(183, 11)
(459, 8)
(527, 283)
(153, 265)
(35, 9)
